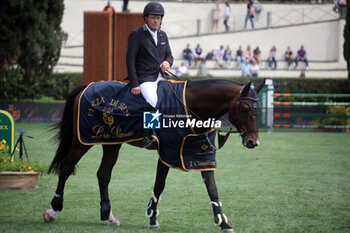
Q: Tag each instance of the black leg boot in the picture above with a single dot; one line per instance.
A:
(149, 142)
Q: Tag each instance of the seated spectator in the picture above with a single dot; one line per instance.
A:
(257, 55)
(289, 57)
(302, 56)
(228, 55)
(177, 72)
(210, 56)
(219, 55)
(246, 69)
(183, 69)
(197, 54)
(255, 69)
(187, 54)
(239, 56)
(248, 54)
(202, 70)
(272, 58)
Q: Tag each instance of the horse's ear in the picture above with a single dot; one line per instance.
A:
(245, 90)
(260, 85)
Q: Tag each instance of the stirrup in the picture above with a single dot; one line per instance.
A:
(150, 143)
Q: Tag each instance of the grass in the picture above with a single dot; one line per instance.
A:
(292, 182)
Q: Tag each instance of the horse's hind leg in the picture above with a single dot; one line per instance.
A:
(77, 151)
(219, 218)
(110, 156)
(152, 212)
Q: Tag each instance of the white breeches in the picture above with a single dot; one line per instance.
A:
(149, 91)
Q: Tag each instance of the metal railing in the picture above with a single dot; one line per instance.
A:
(262, 20)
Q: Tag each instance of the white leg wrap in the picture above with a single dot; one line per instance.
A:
(149, 215)
(225, 218)
(216, 203)
(219, 220)
(155, 199)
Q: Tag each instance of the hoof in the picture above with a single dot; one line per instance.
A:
(114, 222)
(155, 226)
(50, 216)
(228, 230)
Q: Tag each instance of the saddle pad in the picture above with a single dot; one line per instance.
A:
(108, 113)
(180, 147)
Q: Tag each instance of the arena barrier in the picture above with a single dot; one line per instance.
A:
(311, 113)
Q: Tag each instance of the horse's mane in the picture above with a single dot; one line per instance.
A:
(210, 83)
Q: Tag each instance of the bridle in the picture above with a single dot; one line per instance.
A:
(253, 104)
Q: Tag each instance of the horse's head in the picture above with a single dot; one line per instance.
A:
(244, 112)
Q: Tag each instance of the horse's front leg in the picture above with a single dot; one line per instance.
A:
(219, 218)
(152, 212)
(110, 156)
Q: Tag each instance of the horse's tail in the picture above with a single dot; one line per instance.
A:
(65, 134)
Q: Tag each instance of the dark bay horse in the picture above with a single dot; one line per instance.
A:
(206, 99)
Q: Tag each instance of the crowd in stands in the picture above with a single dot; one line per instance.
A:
(248, 60)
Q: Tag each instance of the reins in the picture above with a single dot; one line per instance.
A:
(175, 76)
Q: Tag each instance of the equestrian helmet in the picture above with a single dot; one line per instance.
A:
(153, 8)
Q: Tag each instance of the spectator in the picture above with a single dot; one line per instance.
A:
(289, 57)
(228, 55)
(246, 69)
(219, 55)
(108, 7)
(187, 54)
(239, 56)
(250, 14)
(302, 56)
(227, 12)
(215, 15)
(125, 6)
(248, 54)
(255, 69)
(197, 54)
(177, 72)
(210, 56)
(202, 70)
(257, 55)
(183, 69)
(272, 58)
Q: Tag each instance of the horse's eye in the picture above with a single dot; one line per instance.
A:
(245, 109)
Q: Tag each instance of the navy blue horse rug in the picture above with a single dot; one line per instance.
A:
(109, 114)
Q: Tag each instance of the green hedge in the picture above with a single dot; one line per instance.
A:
(53, 87)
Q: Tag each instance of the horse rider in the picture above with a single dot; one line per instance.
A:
(148, 57)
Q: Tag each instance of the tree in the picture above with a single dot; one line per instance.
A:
(347, 39)
(30, 39)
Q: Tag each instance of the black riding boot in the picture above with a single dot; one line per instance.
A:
(149, 142)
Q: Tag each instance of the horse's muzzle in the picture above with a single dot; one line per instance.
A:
(249, 142)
